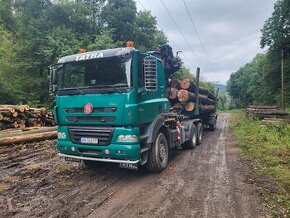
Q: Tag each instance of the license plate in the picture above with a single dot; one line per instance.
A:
(85, 140)
(72, 159)
(128, 166)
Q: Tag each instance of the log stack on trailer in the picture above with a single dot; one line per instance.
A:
(182, 96)
(22, 116)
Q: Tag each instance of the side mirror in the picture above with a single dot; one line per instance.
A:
(53, 80)
(53, 75)
(150, 72)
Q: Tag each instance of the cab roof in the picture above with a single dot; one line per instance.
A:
(96, 55)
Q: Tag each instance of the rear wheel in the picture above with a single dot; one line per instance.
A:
(199, 133)
(193, 138)
(158, 155)
(212, 127)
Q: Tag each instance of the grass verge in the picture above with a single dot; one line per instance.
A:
(268, 146)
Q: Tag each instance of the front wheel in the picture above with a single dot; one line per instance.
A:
(158, 154)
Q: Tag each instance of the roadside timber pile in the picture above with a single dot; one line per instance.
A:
(22, 124)
(266, 113)
(22, 116)
(182, 96)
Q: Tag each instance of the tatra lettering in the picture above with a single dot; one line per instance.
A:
(100, 55)
(89, 56)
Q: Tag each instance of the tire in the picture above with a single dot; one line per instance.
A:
(193, 138)
(212, 127)
(200, 129)
(158, 154)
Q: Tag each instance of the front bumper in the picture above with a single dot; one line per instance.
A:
(100, 159)
(115, 152)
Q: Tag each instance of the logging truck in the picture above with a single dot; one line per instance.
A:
(113, 106)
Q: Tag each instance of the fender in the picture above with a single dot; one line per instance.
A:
(149, 132)
(148, 135)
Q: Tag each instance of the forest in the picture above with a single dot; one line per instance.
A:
(259, 82)
(35, 34)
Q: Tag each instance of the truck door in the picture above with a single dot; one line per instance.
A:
(151, 88)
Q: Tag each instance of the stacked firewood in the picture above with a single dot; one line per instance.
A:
(266, 112)
(182, 97)
(22, 116)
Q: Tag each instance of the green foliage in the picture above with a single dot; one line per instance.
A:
(120, 15)
(259, 82)
(35, 34)
(276, 31)
(8, 80)
(224, 101)
(104, 41)
(269, 146)
(183, 73)
(148, 37)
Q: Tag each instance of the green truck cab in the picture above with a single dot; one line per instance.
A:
(111, 106)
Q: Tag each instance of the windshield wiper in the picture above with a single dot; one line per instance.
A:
(114, 87)
(75, 89)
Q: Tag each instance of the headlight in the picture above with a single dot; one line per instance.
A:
(61, 135)
(127, 138)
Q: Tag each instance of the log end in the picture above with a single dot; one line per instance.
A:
(189, 106)
(182, 95)
(184, 83)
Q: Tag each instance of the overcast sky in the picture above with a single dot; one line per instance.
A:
(229, 31)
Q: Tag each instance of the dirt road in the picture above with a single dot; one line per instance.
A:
(209, 181)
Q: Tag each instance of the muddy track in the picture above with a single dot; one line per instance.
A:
(209, 181)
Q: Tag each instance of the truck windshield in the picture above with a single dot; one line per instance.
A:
(100, 73)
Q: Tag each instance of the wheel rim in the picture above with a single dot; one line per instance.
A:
(162, 150)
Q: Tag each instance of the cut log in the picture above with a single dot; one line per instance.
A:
(7, 119)
(18, 108)
(185, 84)
(189, 106)
(172, 93)
(28, 138)
(190, 86)
(184, 96)
(21, 116)
(175, 84)
(3, 108)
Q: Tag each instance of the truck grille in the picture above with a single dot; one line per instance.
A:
(90, 119)
(103, 134)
